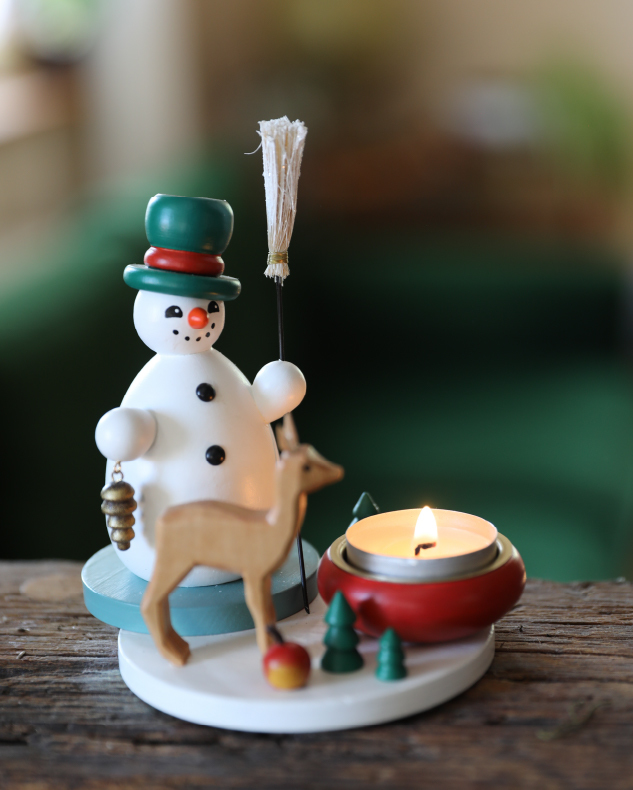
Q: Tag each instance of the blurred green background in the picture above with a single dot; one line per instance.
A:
(460, 291)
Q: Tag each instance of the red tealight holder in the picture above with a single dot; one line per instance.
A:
(452, 597)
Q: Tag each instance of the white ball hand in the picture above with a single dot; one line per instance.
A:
(279, 387)
(125, 434)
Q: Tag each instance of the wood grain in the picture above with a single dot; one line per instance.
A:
(564, 654)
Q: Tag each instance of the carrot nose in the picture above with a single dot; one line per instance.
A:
(197, 318)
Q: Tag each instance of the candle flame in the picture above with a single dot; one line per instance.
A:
(425, 533)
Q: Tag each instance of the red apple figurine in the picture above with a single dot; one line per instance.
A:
(286, 664)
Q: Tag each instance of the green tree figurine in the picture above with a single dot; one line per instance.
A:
(364, 508)
(341, 639)
(390, 657)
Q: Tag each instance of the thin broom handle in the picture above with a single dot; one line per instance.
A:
(282, 357)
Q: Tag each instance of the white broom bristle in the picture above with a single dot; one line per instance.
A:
(282, 147)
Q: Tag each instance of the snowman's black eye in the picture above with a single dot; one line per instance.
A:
(173, 312)
(213, 307)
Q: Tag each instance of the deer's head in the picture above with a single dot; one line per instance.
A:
(315, 471)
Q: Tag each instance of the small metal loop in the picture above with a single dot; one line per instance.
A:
(117, 471)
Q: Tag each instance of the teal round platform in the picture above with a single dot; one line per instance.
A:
(113, 595)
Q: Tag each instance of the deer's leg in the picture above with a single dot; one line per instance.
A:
(271, 614)
(254, 592)
(168, 571)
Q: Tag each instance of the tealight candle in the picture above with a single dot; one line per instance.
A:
(421, 545)
(431, 575)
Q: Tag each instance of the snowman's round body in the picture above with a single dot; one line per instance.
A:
(175, 469)
(191, 426)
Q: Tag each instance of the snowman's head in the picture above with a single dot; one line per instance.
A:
(174, 325)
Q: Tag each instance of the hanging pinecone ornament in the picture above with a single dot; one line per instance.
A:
(118, 505)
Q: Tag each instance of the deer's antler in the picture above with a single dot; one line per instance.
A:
(287, 436)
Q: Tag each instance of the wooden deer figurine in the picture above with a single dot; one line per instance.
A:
(253, 543)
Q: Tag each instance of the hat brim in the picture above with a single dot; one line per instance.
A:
(145, 278)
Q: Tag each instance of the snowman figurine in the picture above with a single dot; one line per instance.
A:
(191, 426)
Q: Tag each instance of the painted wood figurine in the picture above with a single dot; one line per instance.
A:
(191, 426)
(252, 543)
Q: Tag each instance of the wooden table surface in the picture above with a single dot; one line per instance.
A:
(555, 710)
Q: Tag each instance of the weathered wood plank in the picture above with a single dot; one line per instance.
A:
(68, 721)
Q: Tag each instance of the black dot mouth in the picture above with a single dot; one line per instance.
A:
(175, 331)
(187, 338)
(198, 338)
(212, 326)
(208, 334)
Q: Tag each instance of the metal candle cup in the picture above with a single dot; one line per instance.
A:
(384, 545)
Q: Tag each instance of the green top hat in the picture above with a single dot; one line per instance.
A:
(187, 235)
(187, 223)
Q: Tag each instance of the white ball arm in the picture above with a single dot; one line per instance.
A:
(279, 387)
(125, 434)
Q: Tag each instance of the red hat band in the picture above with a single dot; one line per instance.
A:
(184, 262)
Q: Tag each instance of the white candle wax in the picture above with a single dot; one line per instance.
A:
(451, 541)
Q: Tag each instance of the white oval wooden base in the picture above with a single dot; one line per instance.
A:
(223, 685)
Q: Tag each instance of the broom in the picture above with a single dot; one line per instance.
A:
(282, 148)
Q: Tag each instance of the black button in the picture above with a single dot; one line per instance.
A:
(205, 392)
(215, 455)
